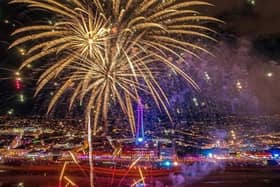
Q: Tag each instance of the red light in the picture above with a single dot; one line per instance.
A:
(18, 84)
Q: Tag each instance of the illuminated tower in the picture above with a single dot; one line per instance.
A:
(140, 124)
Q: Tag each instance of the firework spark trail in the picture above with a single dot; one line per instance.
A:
(77, 163)
(141, 175)
(62, 174)
(117, 151)
(130, 167)
(90, 152)
(142, 179)
(69, 181)
(136, 182)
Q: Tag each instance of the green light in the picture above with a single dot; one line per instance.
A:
(21, 98)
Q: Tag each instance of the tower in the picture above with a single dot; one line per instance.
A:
(140, 124)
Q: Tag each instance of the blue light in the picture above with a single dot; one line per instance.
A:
(140, 139)
(167, 163)
(276, 155)
(210, 155)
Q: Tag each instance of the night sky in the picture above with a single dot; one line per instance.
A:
(255, 20)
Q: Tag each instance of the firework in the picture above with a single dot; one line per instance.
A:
(110, 52)
(102, 36)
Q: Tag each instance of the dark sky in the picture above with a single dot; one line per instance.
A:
(259, 23)
(249, 20)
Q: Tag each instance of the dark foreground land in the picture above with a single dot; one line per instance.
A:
(229, 177)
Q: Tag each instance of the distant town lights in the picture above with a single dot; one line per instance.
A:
(252, 2)
(21, 98)
(176, 163)
(195, 101)
(269, 74)
(11, 111)
(18, 83)
(207, 76)
(238, 85)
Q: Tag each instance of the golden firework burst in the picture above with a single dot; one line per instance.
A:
(109, 50)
